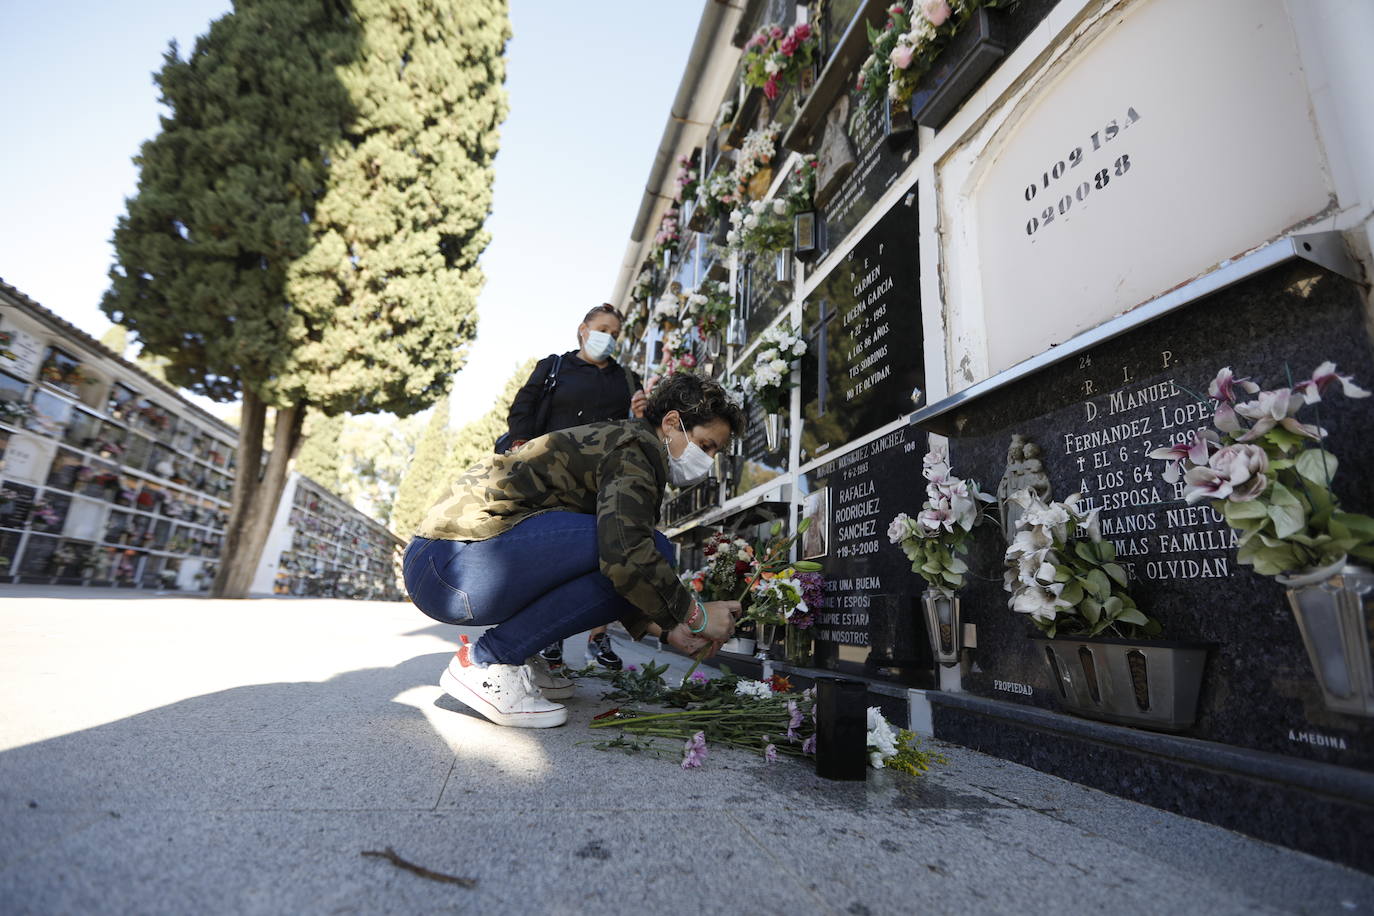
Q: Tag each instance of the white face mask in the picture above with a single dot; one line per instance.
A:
(692, 465)
(599, 345)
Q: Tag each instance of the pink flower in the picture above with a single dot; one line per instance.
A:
(801, 31)
(935, 11)
(770, 753)
(901, 56)
(1193, 448)
(698, 677)
(1234, 472)
(770, 87)
(776, 32)
(794, 721)
(694, 751)
(758, 41)
(1322, 378)
(1222, 388)
(896, 9)
(809, 745)
(788, 46)
(1276, 408)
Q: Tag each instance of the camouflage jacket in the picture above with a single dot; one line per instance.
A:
(616, 470)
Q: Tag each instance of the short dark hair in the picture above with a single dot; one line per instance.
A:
(697, 398)
(604, 308)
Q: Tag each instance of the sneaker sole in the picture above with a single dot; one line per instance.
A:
(558, 693)
(474, 701)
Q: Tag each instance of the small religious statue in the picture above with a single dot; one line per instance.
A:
(1025, 471)
(835, 159)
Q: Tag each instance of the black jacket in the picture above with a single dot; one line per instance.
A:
(584, 394)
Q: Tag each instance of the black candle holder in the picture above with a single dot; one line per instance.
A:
(841, 728)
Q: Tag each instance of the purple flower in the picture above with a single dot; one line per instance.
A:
(795, 720)
(631, 667)
(694, 751)
(1322, 378)
(809, 745)
(698, 677)
(1276, 408)
(770, 753)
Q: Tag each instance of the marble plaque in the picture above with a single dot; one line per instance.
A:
(863, 330)
(1096, 415)
(871, 621)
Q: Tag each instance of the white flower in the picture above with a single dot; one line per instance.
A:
(751, 222)
(779, 366)
(1041, 602)
(900, 528)
(780, 207)
(759, 690)
(772, 65)
(882, 741)
(799, 347)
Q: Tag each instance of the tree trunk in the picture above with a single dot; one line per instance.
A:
(257, 491)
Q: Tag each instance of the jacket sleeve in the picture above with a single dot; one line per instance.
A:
(520, 420)
(626, 507)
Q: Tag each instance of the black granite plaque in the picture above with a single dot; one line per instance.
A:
(863, 330)
(761, 297)
(871, 622)
(1095, 417)
(876, 166)
(756, 464)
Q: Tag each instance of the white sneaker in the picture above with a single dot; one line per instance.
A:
(505, 694)
(554, 686)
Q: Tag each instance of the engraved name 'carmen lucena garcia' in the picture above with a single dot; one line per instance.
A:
(1157, 536)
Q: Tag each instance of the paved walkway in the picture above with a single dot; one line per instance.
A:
(164, 754)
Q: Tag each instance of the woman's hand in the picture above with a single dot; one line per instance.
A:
(638, 401)
(689, 643)
(720, 620)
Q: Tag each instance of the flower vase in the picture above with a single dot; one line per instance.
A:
(943, 625)
(763, 647)
(782, 266)
(1335, 615)
(799, 645)
(772, 430)
(805, 235)
(898, 127)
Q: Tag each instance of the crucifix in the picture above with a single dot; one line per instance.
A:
(820, 345)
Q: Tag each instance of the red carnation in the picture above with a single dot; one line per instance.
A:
(741, 566)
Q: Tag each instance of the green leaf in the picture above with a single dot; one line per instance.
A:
(1091, 610)
(1099, 583)
(1288, 520)
(777, 528)
(956, 565)
(1113, 607)
(1062, 574)
(807, 566)
(1117, 573)
(1282, 496)
(1360, 525)
(1246, 510)
(1085, 550)
(1072, 593)
(1107, 550)
(1131, 615)
(1317, 465)
(803, 525)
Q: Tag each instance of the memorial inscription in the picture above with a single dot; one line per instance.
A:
(869, 619)
(863, 324)
(1095, 418)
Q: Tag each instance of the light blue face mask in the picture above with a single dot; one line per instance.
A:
(599, 345)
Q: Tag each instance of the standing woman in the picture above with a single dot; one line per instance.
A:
(589, 386)
(559, 536)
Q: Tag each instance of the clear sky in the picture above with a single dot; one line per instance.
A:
(590, 86)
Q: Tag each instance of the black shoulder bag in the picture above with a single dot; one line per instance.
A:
(541, 412)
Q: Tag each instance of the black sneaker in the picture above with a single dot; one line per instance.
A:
(553, 655)
(601, 653)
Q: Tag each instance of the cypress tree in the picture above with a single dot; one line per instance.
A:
(424, 475)
(308, 221)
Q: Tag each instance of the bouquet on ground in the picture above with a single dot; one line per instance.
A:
(936, 539)
(1270, 475)
(770, 379)
(903, 50)
(1062, 573)
(775, 57)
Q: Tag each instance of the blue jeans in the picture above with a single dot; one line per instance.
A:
(539, 583)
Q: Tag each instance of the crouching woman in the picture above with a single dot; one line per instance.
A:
(558, 537)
